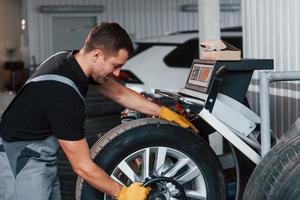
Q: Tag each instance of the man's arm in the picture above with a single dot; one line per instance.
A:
(131, 99)
(128, 98)
(79, 157)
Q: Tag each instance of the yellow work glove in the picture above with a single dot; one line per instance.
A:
(134, 192)
(169, 115)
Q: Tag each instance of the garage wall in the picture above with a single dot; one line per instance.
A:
(141, 18)
(10, 23)
(230, 14)
(271, 29)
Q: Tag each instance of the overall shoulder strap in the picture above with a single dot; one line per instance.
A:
(47, 77)
(58, 78)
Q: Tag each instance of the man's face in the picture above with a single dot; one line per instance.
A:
(108, 65)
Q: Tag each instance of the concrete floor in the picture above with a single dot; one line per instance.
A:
(5, 99)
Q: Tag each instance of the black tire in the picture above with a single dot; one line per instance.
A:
(277, 177)
(96, 125)
(246, 167)
(98, 105)
(127, 138)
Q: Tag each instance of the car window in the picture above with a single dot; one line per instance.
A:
(184, 54)
(235, 41)
(234, 36)
(126, 76)
(141, 47)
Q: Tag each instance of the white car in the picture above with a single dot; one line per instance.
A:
(164, 62)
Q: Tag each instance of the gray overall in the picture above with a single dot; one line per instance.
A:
(28, 168)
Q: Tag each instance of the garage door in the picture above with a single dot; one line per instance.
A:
(70, 32)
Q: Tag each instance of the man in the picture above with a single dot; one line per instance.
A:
(48, 111)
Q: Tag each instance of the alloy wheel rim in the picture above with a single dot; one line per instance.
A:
(158, 161)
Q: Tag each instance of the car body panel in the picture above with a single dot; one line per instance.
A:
(155, 74)
(172, 39)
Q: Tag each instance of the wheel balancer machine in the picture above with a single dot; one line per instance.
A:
(220, 88)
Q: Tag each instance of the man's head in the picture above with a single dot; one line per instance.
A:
(108, 47)
(109, 37)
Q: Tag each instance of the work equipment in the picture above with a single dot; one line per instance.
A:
(177, 162)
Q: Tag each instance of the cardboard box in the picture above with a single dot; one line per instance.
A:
(219, 50)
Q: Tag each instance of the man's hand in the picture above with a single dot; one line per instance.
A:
(167, 114)
(134, 192)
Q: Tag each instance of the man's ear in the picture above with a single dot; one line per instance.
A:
(97, 55)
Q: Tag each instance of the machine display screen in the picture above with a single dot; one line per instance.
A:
(200, 75)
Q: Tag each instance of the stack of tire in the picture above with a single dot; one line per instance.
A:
(102, 114)
(277, 177)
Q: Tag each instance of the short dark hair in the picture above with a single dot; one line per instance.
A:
(109, 37)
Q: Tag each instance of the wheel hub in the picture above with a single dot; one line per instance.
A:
(164, 188)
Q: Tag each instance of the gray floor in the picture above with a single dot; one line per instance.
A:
(5, 99)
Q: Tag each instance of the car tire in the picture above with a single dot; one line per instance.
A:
(128, 138)
(98, 105)
(96, 125)
(277, 177)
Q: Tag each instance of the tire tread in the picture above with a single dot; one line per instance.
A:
(273, 170)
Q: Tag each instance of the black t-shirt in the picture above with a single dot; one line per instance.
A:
(47, 108)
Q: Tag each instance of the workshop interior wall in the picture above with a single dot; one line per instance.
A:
(141, 18)
(10, 23)
(271, 29)
(230, 13)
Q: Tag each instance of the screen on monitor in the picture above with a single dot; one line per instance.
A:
(200, 76)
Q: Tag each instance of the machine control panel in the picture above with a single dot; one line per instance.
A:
(235, 80)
